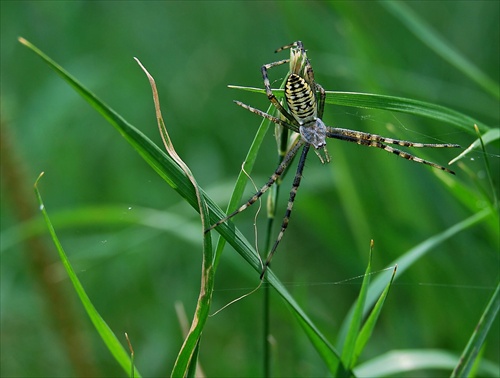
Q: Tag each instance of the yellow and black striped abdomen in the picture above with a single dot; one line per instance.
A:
(300, 98)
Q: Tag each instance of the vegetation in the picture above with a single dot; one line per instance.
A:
(133, 248)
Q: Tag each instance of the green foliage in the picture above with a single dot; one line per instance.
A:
(136, 246)
(106, 334)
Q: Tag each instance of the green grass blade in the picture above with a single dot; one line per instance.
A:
(326, 350)
(487, 167)
(441, 47)
(398, 362)
(393, 103)
(470, 353)
(152, 154)
(166, 168)
(470, 197)
(102, 216)
(357, 317)
(369, 326)
(405, 105)
(191, 370)
(410, 257)
(490, 136)
(185, 364)
(107, 335)
(242, 179)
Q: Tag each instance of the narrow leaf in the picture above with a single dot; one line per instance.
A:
(490, 136)
(469, 355)
(410, 257)
(441, 47)
(357, 317)
(369, 326)
(401, 362)
(107, 335)
(392, 103)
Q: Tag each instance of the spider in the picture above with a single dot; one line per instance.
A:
(305, 100)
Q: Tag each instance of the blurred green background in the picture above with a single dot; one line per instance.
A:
(136, 273)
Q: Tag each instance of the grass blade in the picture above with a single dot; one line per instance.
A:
(369, 326)
(242, 179)
(410, 257)
(357, 317)
(398, 362)
(392, 103)
(470, 353)
(441, 47)
(186, 362)
(107, 335)
(490, 136)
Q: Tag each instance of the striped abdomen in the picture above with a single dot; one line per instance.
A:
(300, 99)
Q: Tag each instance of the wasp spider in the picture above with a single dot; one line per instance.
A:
(305, 103)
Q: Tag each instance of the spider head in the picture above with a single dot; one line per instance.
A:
(314, 132)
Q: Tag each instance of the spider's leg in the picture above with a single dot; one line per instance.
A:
(280, 122)
(321, 101)
(276, 175)
(370, 142)
(269, 91)
(407, 156)
(338, 133)
(295, 44)
(308, 72)
(286, 218)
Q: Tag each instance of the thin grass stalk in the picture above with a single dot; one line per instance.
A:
(266, 310)
(273, 197)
